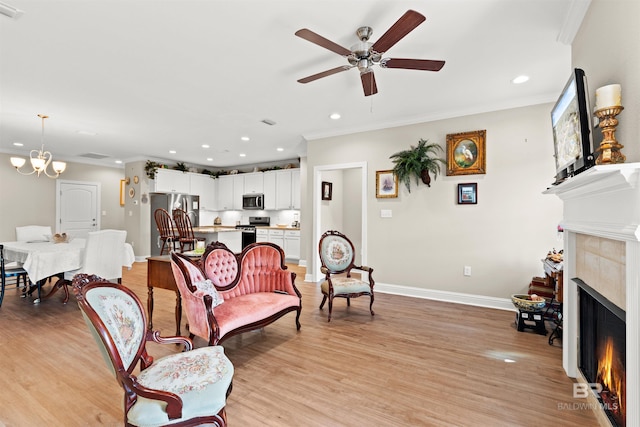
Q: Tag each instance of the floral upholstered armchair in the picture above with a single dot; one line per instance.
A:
(183, 389)
(337, 256)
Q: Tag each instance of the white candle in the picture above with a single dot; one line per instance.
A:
(608, 96)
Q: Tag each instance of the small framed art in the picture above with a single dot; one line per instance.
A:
(123, 183)
(468, 194)
(386, 184)
(466, 153)
(327, 190)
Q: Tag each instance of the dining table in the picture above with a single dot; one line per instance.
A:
(44, 259)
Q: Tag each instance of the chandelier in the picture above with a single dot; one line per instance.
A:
(40, 160)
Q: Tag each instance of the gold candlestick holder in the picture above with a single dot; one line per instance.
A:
(609, 150)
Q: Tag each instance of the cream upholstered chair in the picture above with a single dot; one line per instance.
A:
(33, 233)
(337, 256)
(103, 256)
(185, 389)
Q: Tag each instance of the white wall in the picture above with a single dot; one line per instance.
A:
(430, 238)
(607, 48)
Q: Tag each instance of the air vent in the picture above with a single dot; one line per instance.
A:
(97, 156)
(268, 122)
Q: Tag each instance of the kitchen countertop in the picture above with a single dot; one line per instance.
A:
(224, 228)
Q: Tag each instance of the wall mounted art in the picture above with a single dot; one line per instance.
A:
(386, 184)
(468, 194)
(466, 153)
(327, 190)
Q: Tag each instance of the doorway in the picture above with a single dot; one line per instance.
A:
(359, 168)
(77, 207)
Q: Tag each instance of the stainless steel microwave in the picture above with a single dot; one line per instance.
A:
(253, 201)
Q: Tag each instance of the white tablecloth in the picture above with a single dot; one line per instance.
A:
(45, 259)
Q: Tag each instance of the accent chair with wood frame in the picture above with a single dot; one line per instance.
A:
(337, 255)
(167, 231)
(183, 389)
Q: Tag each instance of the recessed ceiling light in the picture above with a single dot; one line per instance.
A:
(172, 151)
(119, 162)
(244, 138)
(18, 144)
(205, 145)
(335, 116)
(243, 155)
(209, 159)
(520, 79)
(280, 149)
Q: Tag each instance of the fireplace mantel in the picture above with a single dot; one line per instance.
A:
(604, 201)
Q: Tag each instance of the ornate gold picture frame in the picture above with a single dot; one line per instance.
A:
(386, 184)
(466, 153)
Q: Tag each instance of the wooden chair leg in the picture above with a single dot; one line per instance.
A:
(330, 309)
(324, 299)
(371, 305)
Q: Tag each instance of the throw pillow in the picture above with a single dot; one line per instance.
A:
(205, 287)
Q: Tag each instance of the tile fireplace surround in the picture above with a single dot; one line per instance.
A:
(601, 220)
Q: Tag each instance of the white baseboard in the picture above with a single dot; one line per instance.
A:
(445, 296)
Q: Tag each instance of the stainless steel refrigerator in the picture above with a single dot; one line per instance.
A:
(171, 201)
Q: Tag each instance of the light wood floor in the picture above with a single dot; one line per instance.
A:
(415, 363)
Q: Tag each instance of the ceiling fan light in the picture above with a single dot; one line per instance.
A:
(18, 162)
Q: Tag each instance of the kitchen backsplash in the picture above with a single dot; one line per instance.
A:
(231, 217)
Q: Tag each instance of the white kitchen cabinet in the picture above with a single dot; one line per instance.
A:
(295, 188)
(292, 244)
(225, 192)
(238, 191)
(262, 235)
(288, 189)
(269, 188)
(253, 183)
(205, 187)
(169, 180)
(277, 237)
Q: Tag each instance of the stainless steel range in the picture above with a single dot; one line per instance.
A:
(249, 230)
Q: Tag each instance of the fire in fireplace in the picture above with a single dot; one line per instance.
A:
(602, 329)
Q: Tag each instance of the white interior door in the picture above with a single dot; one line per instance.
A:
(78, 207)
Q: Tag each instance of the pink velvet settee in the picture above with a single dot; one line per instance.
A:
(225, 294)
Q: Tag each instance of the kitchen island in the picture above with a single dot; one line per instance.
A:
(224, 234)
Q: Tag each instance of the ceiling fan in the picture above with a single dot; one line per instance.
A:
(365, 54)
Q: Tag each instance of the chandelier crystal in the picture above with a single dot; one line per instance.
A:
(40, 160)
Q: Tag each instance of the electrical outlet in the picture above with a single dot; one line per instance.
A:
(467, 270)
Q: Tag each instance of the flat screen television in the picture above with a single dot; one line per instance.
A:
(572, 129)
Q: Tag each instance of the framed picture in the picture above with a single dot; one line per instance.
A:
(466, 153)
(386, 184)
(468, 194)
(123, 184)
(327, 190)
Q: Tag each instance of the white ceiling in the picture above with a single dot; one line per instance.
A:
(149, 76)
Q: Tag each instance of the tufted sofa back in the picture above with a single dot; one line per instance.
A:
(221, 267)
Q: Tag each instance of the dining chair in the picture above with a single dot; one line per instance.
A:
(337, 255)
(186, 237)
(33, 233)
(185, 388)
(10, 270)
(168, 234)
(103, 256)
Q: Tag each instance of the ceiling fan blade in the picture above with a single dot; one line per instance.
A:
(325, 74)
(368, 83)
(322, 42)
(412, 64)
(403, 26)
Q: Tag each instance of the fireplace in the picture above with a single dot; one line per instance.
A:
(602, 350)
(601, 220)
